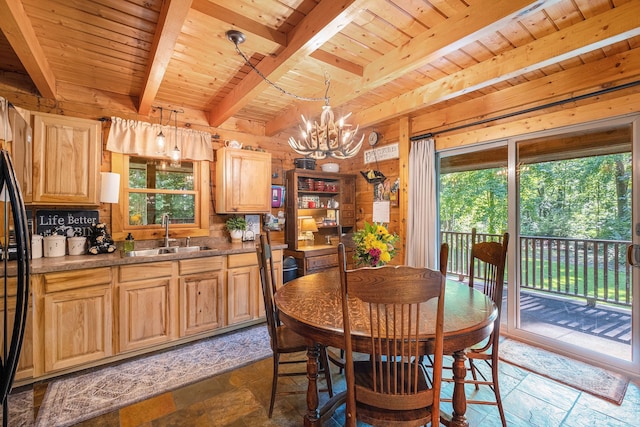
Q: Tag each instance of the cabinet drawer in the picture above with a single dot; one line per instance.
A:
(347, 213)
(242, 260)
(323, 261)
(12, 286)
(65, 280)
(152, 270)
(199, 265)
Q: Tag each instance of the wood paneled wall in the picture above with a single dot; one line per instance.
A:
(618, 103)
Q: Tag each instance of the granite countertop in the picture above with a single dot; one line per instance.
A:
(68, 263)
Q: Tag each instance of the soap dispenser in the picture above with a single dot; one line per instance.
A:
(129, 244)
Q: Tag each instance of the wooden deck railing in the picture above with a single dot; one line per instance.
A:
(593, 270)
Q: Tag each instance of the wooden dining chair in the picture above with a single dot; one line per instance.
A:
(391, 387)
(283, 340)
(486, 273)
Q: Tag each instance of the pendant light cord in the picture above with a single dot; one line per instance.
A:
(327, 81)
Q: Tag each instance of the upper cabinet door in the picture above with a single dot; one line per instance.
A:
(66, 160)
(243, 181)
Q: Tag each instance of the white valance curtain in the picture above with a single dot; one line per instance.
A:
(139, 138)
(422, 233)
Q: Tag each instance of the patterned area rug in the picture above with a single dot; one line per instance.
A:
(605, 384)
(73, 399)
(20, 409)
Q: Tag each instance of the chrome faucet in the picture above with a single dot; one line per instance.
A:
(165, 224)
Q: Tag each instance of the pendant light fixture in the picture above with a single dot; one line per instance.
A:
(175, 154)
(319, 140)
(160, 139)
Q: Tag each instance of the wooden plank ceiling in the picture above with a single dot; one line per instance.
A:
(384, 58)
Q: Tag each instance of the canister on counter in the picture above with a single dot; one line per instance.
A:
(54, 246)
(77, 245)
(36, 246)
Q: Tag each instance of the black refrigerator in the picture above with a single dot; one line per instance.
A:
(15, 241)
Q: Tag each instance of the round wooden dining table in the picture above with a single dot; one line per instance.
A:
(311, 306)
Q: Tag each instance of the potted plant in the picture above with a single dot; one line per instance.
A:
(236, 226)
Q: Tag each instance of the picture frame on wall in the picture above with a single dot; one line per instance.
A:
(253, 227)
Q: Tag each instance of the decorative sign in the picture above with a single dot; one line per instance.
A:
(387, 152)
(47, 222)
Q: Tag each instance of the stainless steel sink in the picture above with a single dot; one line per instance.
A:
(163, 250)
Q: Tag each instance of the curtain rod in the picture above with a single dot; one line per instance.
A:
(528, 110)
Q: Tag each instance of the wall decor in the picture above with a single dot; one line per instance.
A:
(48, 221)
(387, 152)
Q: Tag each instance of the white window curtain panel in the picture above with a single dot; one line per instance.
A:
(422, 233)
(139, 138)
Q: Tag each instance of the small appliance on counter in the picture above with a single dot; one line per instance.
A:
(305, 163)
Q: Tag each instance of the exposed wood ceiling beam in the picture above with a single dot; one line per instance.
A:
(170, 21)
(617, 69)
(625, 103)
(338, 62)
(248, 26)
(322, 23)
(255, 29)
(474, 22)
(17, 28)
(597, 32)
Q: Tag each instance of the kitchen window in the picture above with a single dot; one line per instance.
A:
(152, 187)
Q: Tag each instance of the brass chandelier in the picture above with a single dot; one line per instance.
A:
(329, 138)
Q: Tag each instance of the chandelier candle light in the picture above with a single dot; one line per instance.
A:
(319, 140)
(327, 138)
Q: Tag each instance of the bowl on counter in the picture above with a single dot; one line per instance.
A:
(331, 167)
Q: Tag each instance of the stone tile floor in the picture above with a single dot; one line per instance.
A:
(241, 398)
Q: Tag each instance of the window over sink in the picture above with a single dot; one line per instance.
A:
(156, 187)
(153, 187)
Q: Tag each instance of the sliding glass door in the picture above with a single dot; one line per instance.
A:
(566, 198)
(574, 222)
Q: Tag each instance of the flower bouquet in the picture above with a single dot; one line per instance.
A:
(375, 246)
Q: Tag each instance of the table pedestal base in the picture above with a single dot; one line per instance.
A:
(459, 399)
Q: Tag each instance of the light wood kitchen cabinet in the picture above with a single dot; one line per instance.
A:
(244, 292)
(243, 284)
(25, 361)
(202, 295)
(21, 148)
(88, 317)
(146, 305)
(77, 317)
(243, 181)
(68, 144)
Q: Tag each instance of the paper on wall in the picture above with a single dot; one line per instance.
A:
(381, 212)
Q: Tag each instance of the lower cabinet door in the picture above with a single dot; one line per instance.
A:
(25, 362)
(145, 313)
(242, 286)
(202, 306)
(77, 327)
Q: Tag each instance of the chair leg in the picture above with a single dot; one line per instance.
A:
(324, 361)
(473, 368)
(496, 389)
(274, 383)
